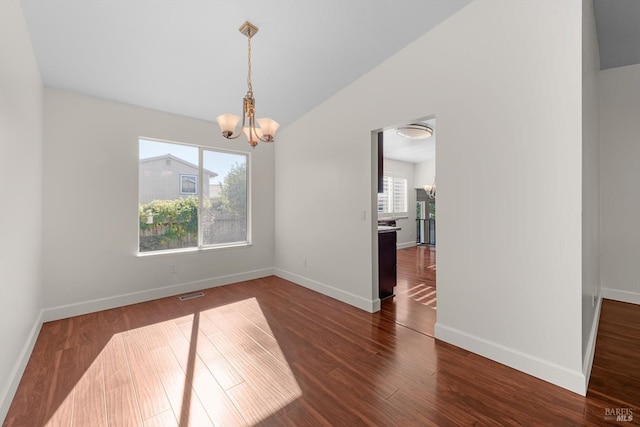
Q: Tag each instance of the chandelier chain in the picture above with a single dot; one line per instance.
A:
(250, 86)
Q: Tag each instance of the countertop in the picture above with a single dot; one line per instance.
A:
(387, 229)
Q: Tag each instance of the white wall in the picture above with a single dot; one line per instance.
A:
(509, 262)
(21, 199)
(91, 208)
(406, 236)
(424, 173)
(590, 185)
(620, 182)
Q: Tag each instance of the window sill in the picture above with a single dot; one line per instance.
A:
(400, 216)
(193, 250)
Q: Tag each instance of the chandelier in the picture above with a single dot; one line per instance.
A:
(266, 128)
(431, 189)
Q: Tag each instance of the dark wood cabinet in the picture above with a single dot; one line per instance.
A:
(387, 260)
(380, 163)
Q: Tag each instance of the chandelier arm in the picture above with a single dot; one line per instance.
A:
(234, 136)
(254, 131)
(244, 117)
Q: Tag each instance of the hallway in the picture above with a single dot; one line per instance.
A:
(414, 305)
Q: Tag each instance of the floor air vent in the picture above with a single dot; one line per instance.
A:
(191, 296)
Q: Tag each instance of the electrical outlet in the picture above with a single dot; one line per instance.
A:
(594, 300)
(305, 262)
(174, 269)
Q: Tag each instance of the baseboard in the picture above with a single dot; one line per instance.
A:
(70, 310)
(566, 378)
(405, 245)
(357, 301)
(591, 346)
(9, 390)
(622, 296)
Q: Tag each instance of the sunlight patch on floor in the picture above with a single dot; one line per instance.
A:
(422, 293)
(220, 366)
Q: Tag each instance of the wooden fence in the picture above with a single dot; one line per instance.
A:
(215, 231)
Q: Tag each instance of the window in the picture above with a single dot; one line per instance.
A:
(399, 194)
(191, 197)
(188, 184)
(384, 202)
(393, 199)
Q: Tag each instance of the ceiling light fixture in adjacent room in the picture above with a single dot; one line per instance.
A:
(267, 127)
(415, 131)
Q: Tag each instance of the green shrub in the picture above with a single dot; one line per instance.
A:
(174, 223)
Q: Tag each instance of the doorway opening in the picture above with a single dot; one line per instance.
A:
(406, 203)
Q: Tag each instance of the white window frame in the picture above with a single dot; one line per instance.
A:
(390, 181)
(200, 194)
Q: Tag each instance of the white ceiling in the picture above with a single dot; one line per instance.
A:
(407, 150)
(187, 57)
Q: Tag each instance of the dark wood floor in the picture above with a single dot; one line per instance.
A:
(414, 305)
(615, 375)
(269, 352)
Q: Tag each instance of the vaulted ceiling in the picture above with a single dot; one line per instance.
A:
(188, 58)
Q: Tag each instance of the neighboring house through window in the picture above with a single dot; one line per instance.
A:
(171, 175)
